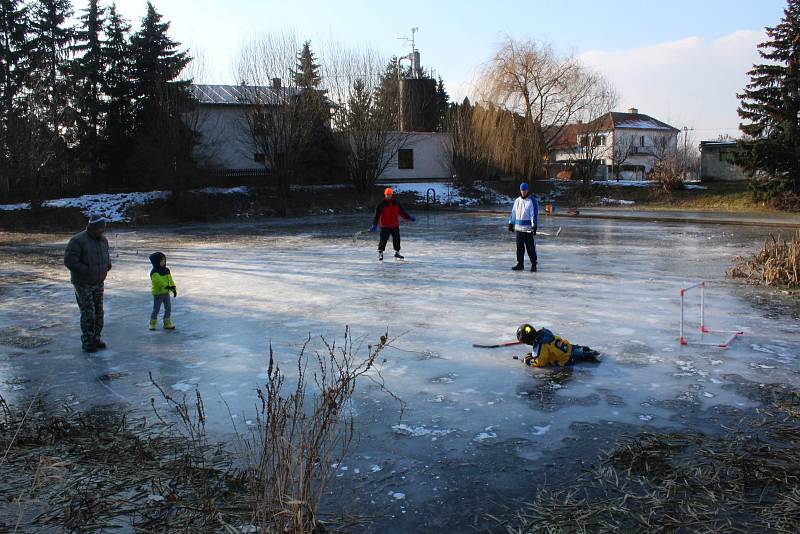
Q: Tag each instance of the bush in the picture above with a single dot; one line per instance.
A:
(777, 264)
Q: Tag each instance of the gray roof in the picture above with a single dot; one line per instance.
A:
(239, 95)
(638, 120)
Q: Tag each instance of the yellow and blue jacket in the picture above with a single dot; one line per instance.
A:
(549, 349)
(160, 277)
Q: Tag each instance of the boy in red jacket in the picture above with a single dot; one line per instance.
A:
(387, 214)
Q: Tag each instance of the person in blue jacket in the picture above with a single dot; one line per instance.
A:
(524, 220)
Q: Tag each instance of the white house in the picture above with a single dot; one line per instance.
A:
(421, 156)
(226, 144)
(225, 140)
(630, 142)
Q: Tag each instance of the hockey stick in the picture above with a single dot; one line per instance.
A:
(497, 346)
(359, 234)
(558, 232)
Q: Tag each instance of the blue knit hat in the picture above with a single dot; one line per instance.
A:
(96, 221)
(523, 186)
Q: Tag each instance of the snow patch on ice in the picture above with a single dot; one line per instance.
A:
(616, 202)
(241, 190)
(419, 431)
(541, 430)
(182, 386)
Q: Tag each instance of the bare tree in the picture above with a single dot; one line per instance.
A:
(366, 127)
(624, 148)
(278, 115)
(543, 92)
(593, 130)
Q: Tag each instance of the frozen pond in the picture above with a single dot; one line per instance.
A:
(477, 423)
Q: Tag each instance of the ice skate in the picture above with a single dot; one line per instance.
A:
(398, 256)
(380, 256)
(152, 324)
(533, 267)
(168, 324)
(517, 267)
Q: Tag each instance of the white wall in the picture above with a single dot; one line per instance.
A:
(224, 141)
(623, 135)
(431, 157)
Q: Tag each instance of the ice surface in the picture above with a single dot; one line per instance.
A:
(612, 285)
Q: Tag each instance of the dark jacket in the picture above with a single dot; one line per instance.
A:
(387, 212)
(87, 259)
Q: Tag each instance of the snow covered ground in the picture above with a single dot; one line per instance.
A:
(447, 194)
(477, 422)
(115, 206)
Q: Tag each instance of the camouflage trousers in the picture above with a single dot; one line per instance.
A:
(90, 302)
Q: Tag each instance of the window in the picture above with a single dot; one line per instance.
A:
(641, 141)
(258, 157)
(405, 158)
(599, 140)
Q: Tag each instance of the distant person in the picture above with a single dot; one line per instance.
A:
(387, 214)
(524, 221)
(88, 261)
(161, 286)
(549, 349)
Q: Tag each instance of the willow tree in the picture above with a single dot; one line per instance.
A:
(537, 93)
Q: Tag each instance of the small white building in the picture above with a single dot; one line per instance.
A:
(717, 161)
(421, 156)
(630, 143)
(220, 119)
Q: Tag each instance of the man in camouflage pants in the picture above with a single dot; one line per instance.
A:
(88, 261)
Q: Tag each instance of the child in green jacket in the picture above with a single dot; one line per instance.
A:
(162, 285)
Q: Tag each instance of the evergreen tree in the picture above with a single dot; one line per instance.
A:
(388, 97)
(50, 48)
(46, 110)
(320, 154)
(771, 105)
(157, 62)
(117, 87)
(163, 140)
(88, 71)
(442, 104)
(306, 76)
(13, 73)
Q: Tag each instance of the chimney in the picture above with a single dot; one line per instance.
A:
(631, 110)
(276, 83)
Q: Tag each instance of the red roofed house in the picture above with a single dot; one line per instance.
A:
(623, 145)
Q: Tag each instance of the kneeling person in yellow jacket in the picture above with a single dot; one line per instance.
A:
(162, 285)
(549, 349)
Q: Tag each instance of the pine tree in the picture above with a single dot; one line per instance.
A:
(388, 97)
(771, 105)
(442, 103)
(306, 76)
(117, 87)
(163, 140)
(157, 63)
(88, 71)
(320, 154)
(46, 109)
(50, 48)
(13, 73)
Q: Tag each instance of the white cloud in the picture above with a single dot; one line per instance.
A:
(691, 82)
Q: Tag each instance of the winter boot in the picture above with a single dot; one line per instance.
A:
(398, 256)
(168, 324)
(152, 324)
(380, 255)
(517, 267)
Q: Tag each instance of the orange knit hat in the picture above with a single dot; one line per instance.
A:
(388, 192)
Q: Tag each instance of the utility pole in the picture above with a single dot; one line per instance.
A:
(686, 131)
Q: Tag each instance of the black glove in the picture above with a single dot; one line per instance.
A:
(534, 230)
(174, 291)
(510, 227)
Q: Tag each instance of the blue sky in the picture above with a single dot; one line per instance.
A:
(681, 61)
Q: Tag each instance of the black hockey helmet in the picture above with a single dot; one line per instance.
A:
(525, 334)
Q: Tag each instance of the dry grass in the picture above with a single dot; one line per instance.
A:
(747, 480)
(105, 468)
(775, 265)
